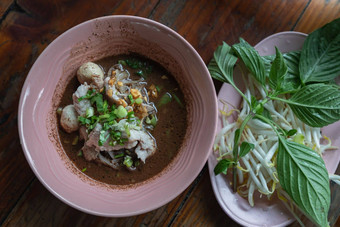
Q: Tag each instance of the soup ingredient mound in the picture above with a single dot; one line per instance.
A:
(111, 113)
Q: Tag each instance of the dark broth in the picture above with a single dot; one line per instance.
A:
(168, 133)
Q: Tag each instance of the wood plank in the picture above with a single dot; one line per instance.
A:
(205, 24)
(38, 207)
(24, 33)
(197, 211)
(4, 6)
(15, 175)
(317, 14)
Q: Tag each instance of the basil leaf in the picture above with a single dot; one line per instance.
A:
(303, 175)
(245, 148)
(222, 166)
(317, 105)
(291, 80)
(320, 58)
(222, 65)
(277, 71)
(251, 59)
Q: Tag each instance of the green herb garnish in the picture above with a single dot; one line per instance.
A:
(128, 161)
(108, 117)
(119, 155)
(143, 67)
(306, 77)
(165, 99)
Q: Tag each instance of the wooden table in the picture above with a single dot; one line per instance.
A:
(28, 26)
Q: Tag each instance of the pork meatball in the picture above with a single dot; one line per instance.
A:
(69, 119)
(90, 72)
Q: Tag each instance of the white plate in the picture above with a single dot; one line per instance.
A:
(265, 212)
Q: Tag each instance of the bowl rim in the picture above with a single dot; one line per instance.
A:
(21, 121)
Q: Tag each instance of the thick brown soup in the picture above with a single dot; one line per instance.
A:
(168, 133)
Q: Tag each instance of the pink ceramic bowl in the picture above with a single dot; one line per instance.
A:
(47, 79)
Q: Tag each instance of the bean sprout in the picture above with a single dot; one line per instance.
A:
(256, 171)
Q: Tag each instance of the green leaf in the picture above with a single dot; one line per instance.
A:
(222, 166)
(320, 55)
(83, 120)
(221, 67)
(303, 175)
(291, 80)
(128, 161)
(103, 136)
(98, 100)
(177, 100)
(251, 59)
(256, 106)
(317, 105)
(165, 99)
(278, 71)
(291, 132)
(245, 148)
(266, 114)
(143, 67)
(88, 95)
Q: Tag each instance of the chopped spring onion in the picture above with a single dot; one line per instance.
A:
(88, 95)
(103, 136)
(166, 98)
(83, 170)
(119, 155)
(127, 130)
(140, 73)
(177, 100)
(128, 161)
(139, 101)
(122, 62)
(153, 121)
(131, 99)
(80, 154)
(89, 112)
(121, 112)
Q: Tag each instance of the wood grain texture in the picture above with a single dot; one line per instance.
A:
(317, 14)
(24, 32)
(4, 7)
(197, 211)
(205, 24)
(28, 26)
(38, 207)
